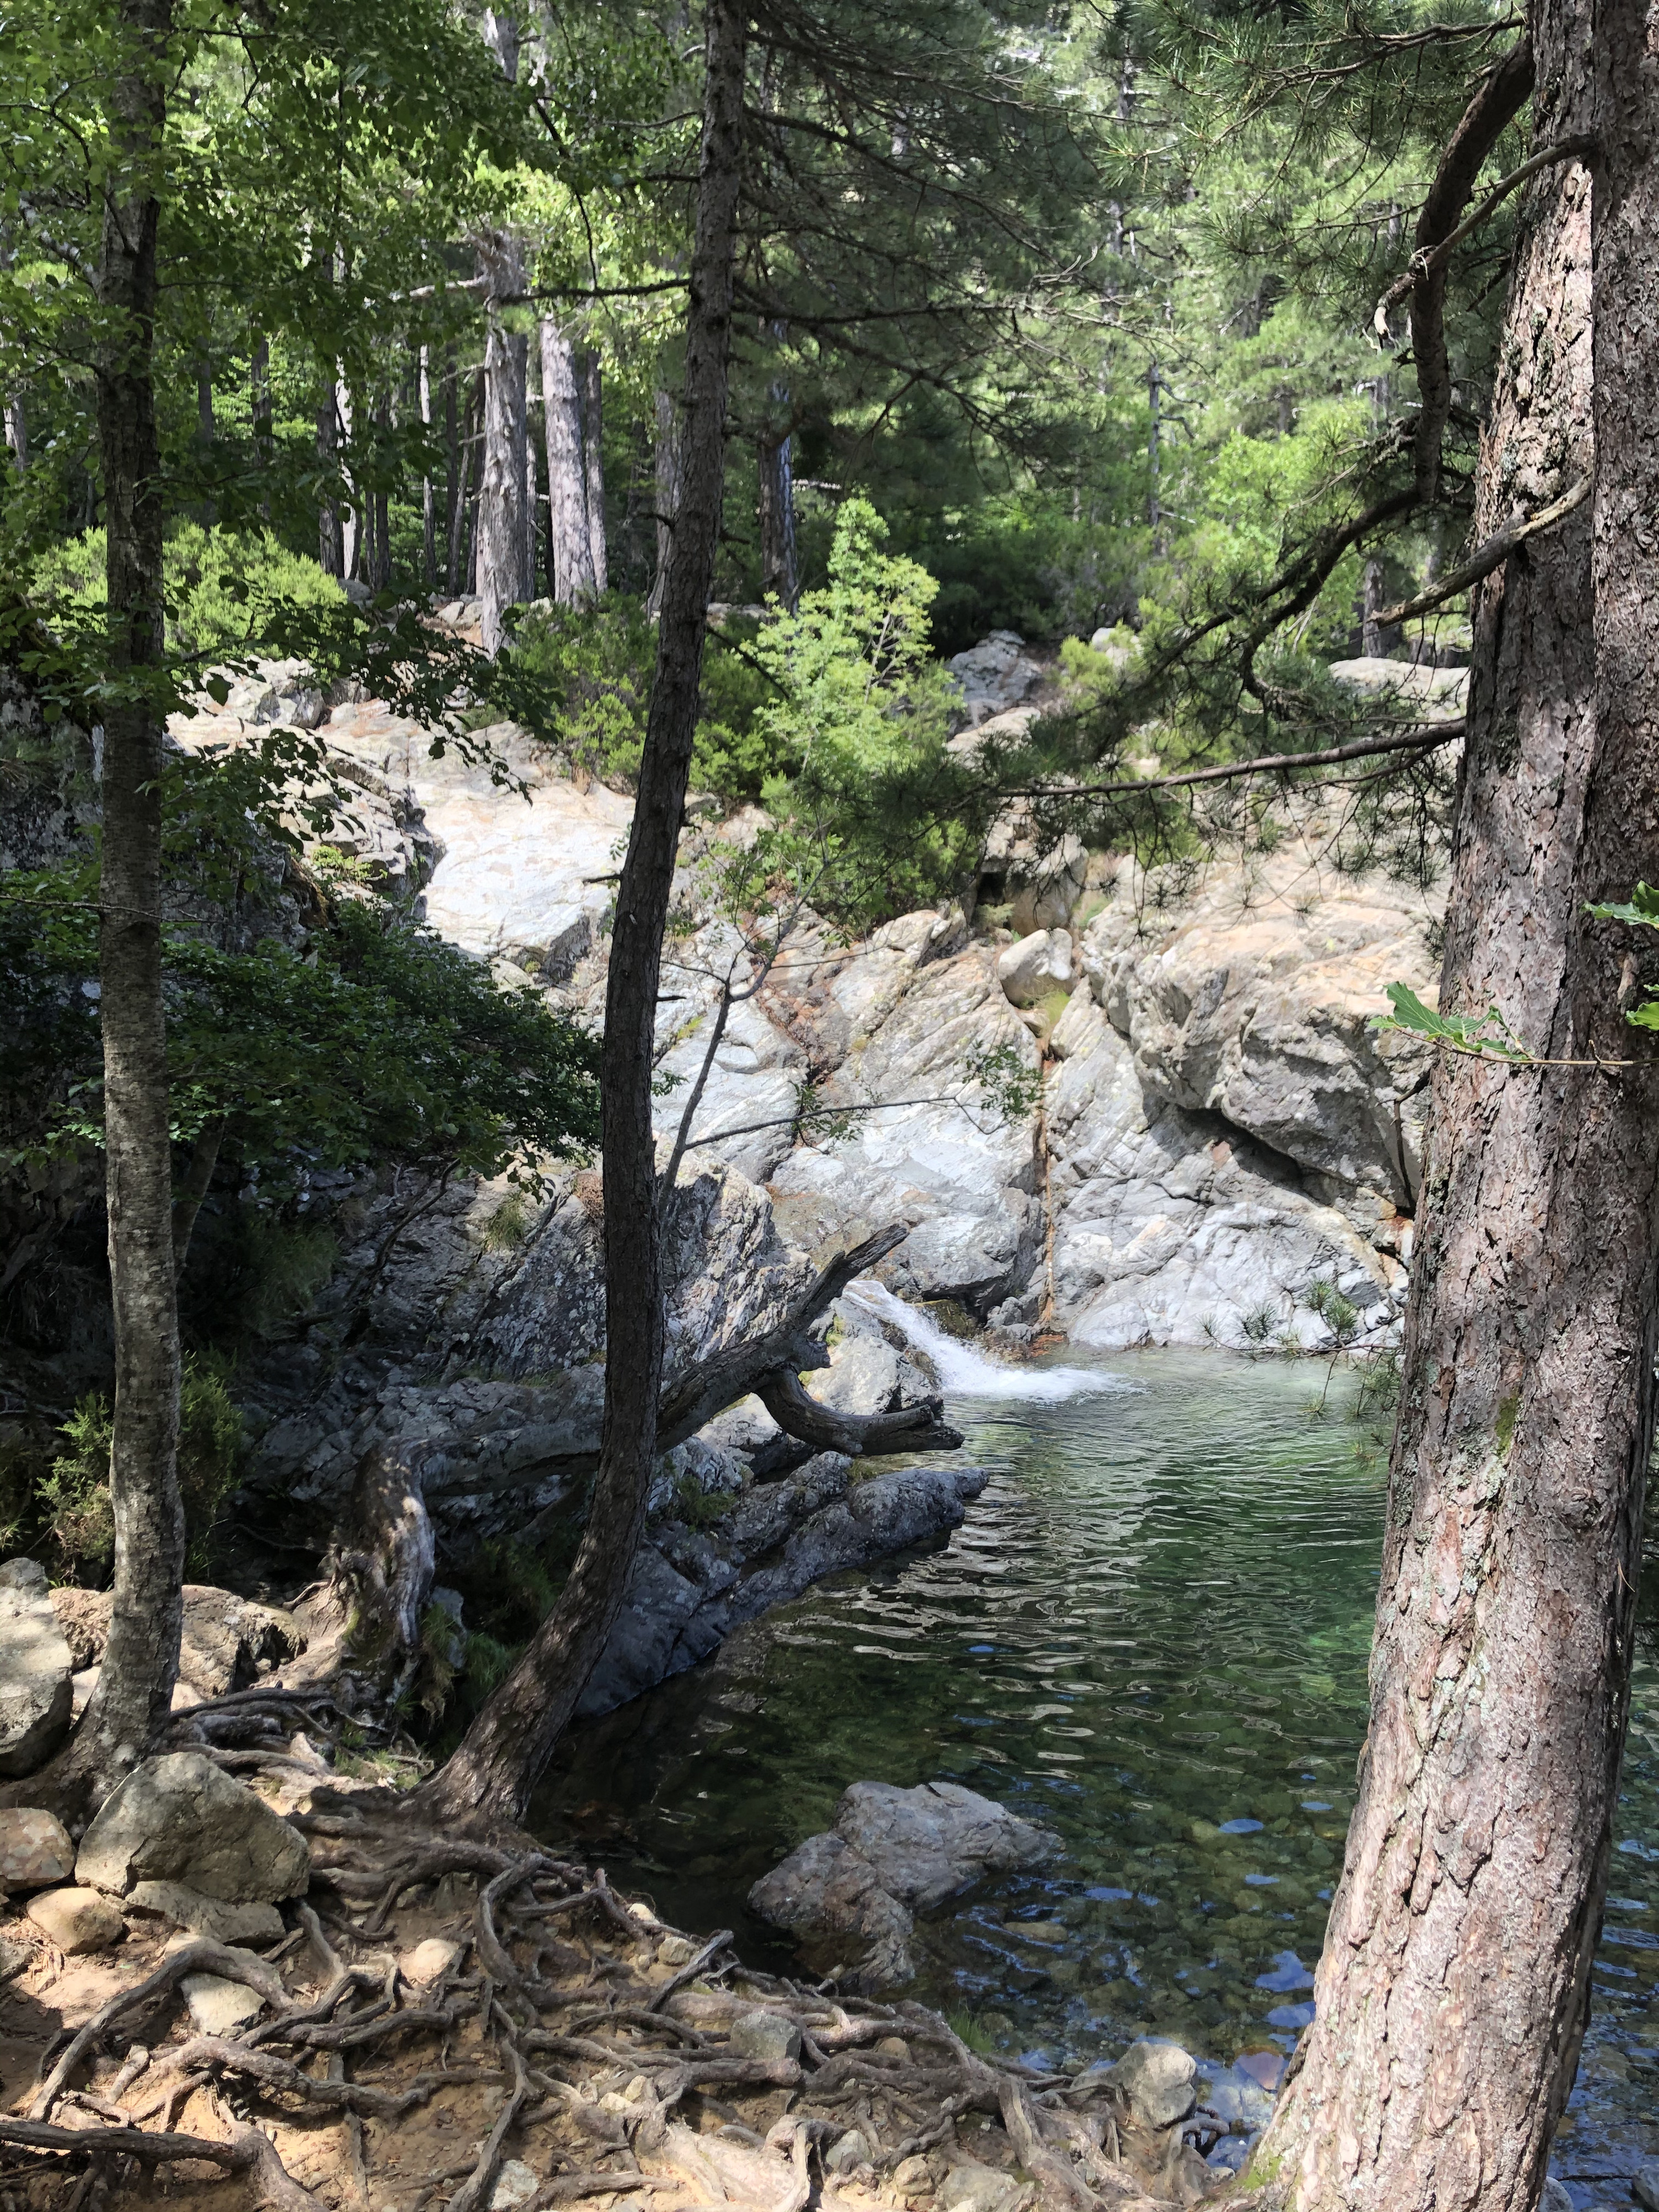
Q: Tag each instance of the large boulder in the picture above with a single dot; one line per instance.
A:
(993, 676)
(225, 1643)
(894, 1851)
(181, 1819)
(36, 1695)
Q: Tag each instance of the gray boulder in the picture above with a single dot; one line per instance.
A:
(1159, 2079)
(927, 1843)
(993, 676)
(36, 1697)
(1646, 2187)
(893, 1850)
(1035, 965)
(179, 1818)
(771, 2037)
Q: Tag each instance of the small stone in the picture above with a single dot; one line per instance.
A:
(914, 2176)
(676, 1950)
(847, 2153)
(516, 2185)
(14, 1957)
(1159, 2079)
(893, 2046)
(767, 2036)
(1646, 2187)
(1192, 2178)
(206, 1916)
(35, 1851)
(1556, 2197)
(219, 2007)
(421, 1965)
(971, 2188)
(1039, 1931)
(77, 1920)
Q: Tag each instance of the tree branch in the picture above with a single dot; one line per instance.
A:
(1488, 557)
(1425, 739)
(908, 1428)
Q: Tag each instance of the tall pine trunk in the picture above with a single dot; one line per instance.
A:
(135, 1684)
(570, 542)
(593, 466)
(1454, 1986)
(508, 1747)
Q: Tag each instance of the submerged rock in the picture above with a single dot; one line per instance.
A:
(893, 1850)
(36, 1697)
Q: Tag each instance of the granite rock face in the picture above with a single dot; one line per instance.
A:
(36, 1695)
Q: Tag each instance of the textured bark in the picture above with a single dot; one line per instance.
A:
(1454, 1989)
(17, 431)
(502, 580)
(569, 546)
(779, 576)
(507, 1746)
(330, 545)
(667, 470)
(141, 1662)
(593, 465)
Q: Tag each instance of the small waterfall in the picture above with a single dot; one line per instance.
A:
(965, 1373)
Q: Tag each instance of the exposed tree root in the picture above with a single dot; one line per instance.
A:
(604, 2057)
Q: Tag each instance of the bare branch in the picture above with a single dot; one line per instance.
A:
(1486, 557)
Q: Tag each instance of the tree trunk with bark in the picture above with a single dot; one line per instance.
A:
(570, 542)
(135, 1684)
(593, 466)
(667, 469)
(331, 541)
(508, 1747)
(503, 582)
(1454, 1987)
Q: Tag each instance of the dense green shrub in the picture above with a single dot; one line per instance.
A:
(212, 577)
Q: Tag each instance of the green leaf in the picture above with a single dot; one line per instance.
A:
(1642, 907)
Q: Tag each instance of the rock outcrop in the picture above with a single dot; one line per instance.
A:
(892, 1853)
(36, 1695)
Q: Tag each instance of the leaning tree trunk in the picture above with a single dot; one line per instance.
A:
(509, 1746)
(569, 545)
(1454, 1989)
(141, 1661)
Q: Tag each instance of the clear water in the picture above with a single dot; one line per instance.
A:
(1151, 1635)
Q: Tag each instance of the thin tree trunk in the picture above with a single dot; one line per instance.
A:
(501, 582)
(377, 506)
(574, 580)
(509, 1746)
(593, 465)
(429, 503)
(668, 472)
(775, 456)
(330, 548)
(1454, 1992)
(141, 1661)
(351, 518)
(779, 578)
(17, 432)
(454, 486)
(258, 379)
(460, 550)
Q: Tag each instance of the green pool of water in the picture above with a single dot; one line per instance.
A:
(1151, 1635)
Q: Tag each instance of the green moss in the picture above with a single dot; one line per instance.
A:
(1507, 1414)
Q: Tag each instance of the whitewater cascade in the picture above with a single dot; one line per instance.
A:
(964, 1372)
